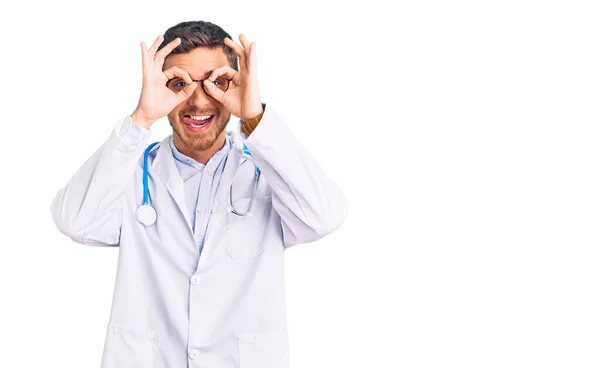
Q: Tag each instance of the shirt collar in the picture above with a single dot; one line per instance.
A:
(186, 160)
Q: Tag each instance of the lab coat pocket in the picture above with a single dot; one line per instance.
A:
(268, 350)
(246, 234)
(128, 347)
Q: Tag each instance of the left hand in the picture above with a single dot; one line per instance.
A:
(241, 98)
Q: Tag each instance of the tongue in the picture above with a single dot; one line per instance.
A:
(188, 120)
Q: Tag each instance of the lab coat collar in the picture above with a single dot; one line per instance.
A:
(164, 165)
(236, 135)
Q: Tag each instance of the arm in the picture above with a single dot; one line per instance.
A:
(309, 203)
(88, 208)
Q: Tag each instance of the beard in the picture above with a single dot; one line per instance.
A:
(199, 141)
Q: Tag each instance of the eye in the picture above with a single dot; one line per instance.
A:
(176, 84)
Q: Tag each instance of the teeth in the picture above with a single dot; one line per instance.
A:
(203, 117)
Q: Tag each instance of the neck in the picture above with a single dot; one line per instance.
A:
(200, 156)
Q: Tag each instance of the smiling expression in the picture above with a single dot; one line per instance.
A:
(187, 134)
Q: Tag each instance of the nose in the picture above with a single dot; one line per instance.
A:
(199, 97)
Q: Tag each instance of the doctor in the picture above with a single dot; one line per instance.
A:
(200, 282)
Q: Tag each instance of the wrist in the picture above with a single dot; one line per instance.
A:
(253, 114)
(251, 124)
(139, 119)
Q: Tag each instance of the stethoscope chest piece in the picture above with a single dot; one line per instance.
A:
(146, 215)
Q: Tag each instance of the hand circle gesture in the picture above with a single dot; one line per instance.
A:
(156, 99)
(242, 97)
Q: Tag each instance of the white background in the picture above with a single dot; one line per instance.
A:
(465, 135)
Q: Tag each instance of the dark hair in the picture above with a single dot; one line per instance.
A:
(194, 34)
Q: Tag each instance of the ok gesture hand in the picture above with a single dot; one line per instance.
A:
(156, 99)
(241, 98)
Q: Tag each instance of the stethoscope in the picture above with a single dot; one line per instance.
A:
(146, 214)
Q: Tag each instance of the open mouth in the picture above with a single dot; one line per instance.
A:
(198, 122)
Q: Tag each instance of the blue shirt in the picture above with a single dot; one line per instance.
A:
(200, 183)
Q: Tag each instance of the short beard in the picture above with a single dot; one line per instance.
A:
(200, 142)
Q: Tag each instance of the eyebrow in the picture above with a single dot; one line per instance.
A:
(208, 73)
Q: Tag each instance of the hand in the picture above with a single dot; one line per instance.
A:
(241, 98)
(156, 100)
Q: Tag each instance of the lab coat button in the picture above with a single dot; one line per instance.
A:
(194, 354)
(194, 280)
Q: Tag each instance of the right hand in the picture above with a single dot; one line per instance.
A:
(156, 100)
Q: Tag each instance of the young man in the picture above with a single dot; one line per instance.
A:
(199, 283)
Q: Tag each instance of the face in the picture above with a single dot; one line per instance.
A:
(199, 63)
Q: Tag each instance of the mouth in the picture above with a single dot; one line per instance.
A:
(197, 123)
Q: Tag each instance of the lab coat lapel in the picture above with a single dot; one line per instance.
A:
(233, 161)
(164, 165)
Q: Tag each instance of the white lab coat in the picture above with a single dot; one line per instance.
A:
(173, 307)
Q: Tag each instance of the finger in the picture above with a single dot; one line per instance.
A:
(154, 47)
(162, 54)
(252, 59)
(247, 51)
(175, 71)
(144, 52)
(226, 71)
(213, 91)
(245, 43)
(187, 91)
(238, 51)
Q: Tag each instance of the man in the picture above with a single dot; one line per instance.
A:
(198, 283)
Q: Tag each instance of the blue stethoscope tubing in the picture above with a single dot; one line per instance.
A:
(146, 153)
(146, 214)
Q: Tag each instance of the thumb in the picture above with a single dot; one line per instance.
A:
(187, 90)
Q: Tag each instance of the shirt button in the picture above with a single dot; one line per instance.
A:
(209, 173)
(194, 280)
(201, 211)
(194, 354)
